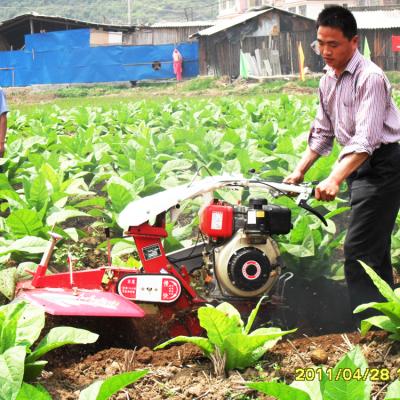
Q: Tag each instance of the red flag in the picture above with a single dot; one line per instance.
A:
(395, 43)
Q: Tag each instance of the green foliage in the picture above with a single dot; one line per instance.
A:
(63, 166)
(228, 339)
(20, 327)
(390, 320)
(115, 11)
(200, 84)
(330, 385)
(104, 389)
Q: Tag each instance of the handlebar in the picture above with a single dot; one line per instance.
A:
(302, 192)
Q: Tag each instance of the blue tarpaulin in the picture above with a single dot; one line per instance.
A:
(66, 57)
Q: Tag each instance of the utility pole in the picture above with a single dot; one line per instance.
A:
(129, 12)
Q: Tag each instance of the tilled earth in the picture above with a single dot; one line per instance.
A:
(317, 308)
(181, 372)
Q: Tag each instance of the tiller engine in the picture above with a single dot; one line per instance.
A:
(236, 260)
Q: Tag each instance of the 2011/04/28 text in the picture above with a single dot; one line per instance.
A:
(347, 374)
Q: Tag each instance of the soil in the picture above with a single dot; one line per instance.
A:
(181, 372)
(317, 308)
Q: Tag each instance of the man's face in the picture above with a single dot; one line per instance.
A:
(335, 48)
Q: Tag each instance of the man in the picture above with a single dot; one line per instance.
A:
(356, 108)
(3, 122)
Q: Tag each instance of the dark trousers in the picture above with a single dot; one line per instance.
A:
(375, 200)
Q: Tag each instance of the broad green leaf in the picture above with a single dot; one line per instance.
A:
(61, 336)
(72, 233)
(28, 244)
(11, 372)
(385, 290)
(348, 389)
(219, 325)
(244, 350)
(56, 217)
(30, 324)
(92, 391)
(203, 343)
(24, 223)
(33, 370)
(280, 391)
(8, 279)
(229, 310)
(379, 321)
(33, 392)
(175, 165)
(119, 196)
(10, 314)
(24, 267)
(253, 315)
(390, 309)
(122, 247)
(110, 386)
(51, 176)
(93, 202)
(312, 387)
(393, 391)
(38, 194)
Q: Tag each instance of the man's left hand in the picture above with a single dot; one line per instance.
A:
(327, 190)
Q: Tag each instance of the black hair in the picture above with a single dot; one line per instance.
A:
(340, 18)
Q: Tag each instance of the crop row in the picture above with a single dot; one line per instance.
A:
(87, 163)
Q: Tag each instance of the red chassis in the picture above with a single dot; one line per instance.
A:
(119, 292)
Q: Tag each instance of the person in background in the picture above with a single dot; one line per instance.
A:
(177, 63)
(356, 109)
(3, 122)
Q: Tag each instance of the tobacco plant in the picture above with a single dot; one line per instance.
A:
(229, 343)
(390, 320)
(20, 327)
(104, 389)
(348, 380)
(65, 166)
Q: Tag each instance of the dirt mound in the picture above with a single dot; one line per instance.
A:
(181, 372)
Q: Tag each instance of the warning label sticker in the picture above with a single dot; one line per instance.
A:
(216, 220)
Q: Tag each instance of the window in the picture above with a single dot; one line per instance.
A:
(227, 4)
(303, 10)
(292, 10)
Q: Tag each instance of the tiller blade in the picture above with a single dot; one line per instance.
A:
(58, 301)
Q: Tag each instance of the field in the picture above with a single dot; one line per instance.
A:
(76, 156)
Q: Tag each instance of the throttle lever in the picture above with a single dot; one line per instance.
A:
(303, 204)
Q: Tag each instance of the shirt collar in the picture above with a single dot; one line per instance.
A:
(350, 67)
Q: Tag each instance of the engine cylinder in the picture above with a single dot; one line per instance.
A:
(246, 269)
(249, 269)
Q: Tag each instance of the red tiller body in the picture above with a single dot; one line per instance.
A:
(95, 292)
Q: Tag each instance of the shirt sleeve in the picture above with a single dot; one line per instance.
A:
(3, 103)
(321, 134)
(373, 95)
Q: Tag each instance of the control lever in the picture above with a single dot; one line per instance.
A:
(303, 204)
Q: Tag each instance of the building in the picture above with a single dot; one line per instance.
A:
(40, 49)
(307, 8)
(265, 40)
(381, 29)
(166, 32)
(13, 31)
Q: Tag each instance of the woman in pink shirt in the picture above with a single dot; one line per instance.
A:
(177, 62)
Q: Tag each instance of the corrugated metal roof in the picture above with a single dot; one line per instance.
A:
(185, 24)
(228, 23)
(53, 18)
(380, 19)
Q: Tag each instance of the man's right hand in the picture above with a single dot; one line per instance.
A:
(295, 177)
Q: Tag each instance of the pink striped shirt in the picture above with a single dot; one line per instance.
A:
(356, 108)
